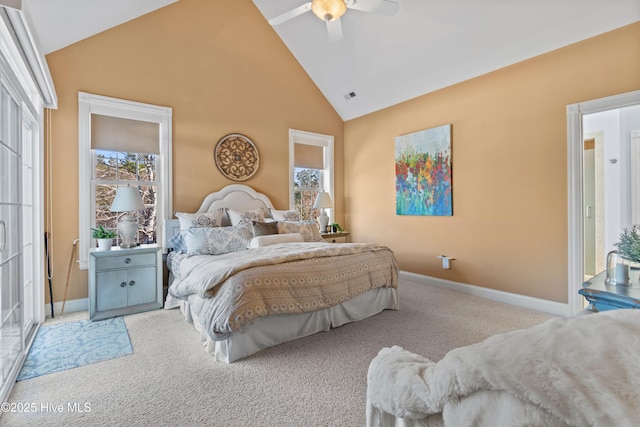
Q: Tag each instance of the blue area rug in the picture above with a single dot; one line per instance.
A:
(73, 344)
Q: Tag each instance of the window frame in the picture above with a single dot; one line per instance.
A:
(317, 139)
(89, 104)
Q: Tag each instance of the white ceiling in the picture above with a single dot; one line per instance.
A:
(60, 23)
(427, 45)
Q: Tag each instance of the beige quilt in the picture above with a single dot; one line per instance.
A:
(235, 289)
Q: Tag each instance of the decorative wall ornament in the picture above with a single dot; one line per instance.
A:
(423, 172)
(236, 157)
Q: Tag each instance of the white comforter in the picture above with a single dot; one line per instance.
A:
(580, 371)
(229, 292)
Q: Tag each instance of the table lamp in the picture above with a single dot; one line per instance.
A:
(127, 200)
(323, 201)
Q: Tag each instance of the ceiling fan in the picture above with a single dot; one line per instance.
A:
(330, 11)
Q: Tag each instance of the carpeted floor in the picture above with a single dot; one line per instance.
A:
(314, 381)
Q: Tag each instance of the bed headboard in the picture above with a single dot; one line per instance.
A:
(238, 197)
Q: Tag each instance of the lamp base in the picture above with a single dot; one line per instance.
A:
(128, 228)
(323, 220)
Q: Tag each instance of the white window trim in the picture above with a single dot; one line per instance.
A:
(89, 104)
(318, 139)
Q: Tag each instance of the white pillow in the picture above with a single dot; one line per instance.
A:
(285, 215)
(217, 240)
(204, 219)
(272, 239)
(309, 229)
(239, 218)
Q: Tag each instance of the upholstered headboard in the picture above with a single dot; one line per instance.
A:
(236, 197)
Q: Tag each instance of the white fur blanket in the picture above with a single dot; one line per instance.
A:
(579, 371)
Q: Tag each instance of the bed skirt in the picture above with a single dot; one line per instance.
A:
(273, 330)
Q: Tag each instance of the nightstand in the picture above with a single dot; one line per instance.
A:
(124, 281)
(340, 237)
(603, 297)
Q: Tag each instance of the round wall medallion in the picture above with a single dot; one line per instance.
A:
(236, 157)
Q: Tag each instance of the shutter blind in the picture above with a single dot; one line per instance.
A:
(308, 156)
(126, 135)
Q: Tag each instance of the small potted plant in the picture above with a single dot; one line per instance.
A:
(104, 237)
(629, 244)
(335, 228)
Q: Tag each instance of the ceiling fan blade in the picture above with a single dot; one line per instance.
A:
(379, 7)
(290, 14)
(335, 30)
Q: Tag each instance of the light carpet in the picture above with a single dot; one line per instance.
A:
(319, 380)
(69, 345)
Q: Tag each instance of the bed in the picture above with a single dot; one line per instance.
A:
(250, 277)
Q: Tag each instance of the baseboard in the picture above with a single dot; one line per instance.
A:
(532, 303)
(69, 307)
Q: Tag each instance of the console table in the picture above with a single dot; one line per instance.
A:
(602, 297)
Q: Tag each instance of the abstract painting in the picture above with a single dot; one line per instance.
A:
(423, 172)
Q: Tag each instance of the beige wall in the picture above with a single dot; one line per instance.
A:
(509, 149)
(222, 69)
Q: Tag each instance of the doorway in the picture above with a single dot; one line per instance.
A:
(600, 183)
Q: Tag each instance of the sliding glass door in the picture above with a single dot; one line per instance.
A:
(11, 300)
(21, 196)
(20, 229)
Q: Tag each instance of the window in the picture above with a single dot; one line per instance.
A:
(311, 171)
(113, 169)
(123, 143)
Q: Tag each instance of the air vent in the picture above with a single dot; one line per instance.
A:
(349, 95)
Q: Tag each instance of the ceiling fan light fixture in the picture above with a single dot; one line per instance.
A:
(328, 10)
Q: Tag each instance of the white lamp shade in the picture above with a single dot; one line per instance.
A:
(127, 199)
(323, 200)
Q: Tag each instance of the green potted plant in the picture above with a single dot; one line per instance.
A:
(104, 237)
(629, 244)
(335, 228)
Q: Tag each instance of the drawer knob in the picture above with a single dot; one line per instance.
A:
(131, 283)
(127, 260)
(123, 284)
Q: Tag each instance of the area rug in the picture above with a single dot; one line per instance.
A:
(73, 344)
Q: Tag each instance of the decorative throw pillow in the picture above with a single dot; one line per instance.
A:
(203, 219)
(260, 241)
(309, 229)
(177, 243)
(239, 218)
(264, 228)
(217, 240)
(285, 215)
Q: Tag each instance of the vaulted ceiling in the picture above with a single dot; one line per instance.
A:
(383, 60)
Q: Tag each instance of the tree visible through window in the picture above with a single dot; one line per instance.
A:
(310, 169)
(113, 169)
(307, 183)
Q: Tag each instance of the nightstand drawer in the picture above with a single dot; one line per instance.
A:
(105, 263)
(342, 239)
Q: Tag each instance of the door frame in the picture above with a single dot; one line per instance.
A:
(574, 182)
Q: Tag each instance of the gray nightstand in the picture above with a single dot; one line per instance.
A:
(340, 237)
(124, 281)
